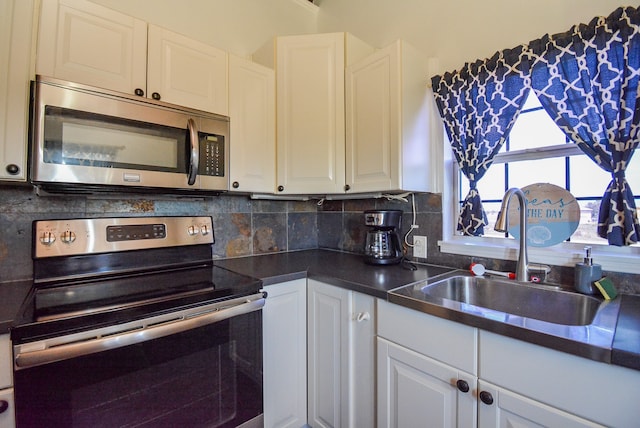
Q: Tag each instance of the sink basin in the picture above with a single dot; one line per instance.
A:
(515, 298)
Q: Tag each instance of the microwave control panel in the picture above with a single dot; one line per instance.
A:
(212, 155)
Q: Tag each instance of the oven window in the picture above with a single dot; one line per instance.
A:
(207, 377)
(87, 139)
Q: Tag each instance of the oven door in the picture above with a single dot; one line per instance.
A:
(208, 376)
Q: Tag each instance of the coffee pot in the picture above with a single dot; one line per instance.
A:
(382, 244)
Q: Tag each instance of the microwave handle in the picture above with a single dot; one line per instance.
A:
(195, 152)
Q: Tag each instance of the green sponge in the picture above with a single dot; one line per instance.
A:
(607, 288)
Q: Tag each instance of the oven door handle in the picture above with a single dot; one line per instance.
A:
(29, 355)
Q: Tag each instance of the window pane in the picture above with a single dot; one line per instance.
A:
(587, 231)
(632, 173)
(535, 129)
(492, 209)
(587, 179)
(532, 102)
(537, 171)
(491, 186)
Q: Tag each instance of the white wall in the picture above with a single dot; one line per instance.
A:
(456, 31)
(238, 26)
(450, 31)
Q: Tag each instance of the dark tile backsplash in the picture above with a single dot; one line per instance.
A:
(244, 226)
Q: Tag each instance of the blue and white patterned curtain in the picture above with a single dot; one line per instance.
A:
(479, 105)
(587, 80)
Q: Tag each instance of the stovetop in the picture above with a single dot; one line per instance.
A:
(93, 273)
(80, 306)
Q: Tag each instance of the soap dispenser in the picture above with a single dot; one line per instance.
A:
(586, 274)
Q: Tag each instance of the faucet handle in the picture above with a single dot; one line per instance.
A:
(538, 271)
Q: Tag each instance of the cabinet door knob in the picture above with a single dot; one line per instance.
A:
(462, 385)
(280, 188)
(486, 398)
(155, 96)
(4, 405)
(13, 169)
(235, 184)
(139, 92)
(347, 187)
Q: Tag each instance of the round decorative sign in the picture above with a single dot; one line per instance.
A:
(553, 214)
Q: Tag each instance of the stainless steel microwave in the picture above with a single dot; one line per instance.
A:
(90, 139)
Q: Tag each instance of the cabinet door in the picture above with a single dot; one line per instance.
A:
(16, 30)
(310, 111)
(253, 121)
(506, 409)
(7, 418)
(596, 391)
(6, 362)
(186, 72)
(284, 318)
(372, 122)
(362, 347)
(83, 42)
(328, 350)
(390, 119)
(417, 391)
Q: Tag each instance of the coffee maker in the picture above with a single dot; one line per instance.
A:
(382, 244)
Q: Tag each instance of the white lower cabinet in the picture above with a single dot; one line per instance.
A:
(7, 407)
(284, 319)
(560, 389)
(504, 408)
(511, 383)
(416, 391)
(319, 356)
(426, 370)
(341, 357)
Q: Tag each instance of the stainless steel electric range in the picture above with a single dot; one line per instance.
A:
(130, 323)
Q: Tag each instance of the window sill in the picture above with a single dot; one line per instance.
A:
(614, 259)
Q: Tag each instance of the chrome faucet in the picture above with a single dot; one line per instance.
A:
(502, 224)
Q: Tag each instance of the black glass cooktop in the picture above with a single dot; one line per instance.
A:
(77, 306)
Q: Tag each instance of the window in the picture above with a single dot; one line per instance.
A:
(537, 151)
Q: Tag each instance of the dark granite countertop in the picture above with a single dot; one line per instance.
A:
(626, 342)
(350, 272)
(333, 267)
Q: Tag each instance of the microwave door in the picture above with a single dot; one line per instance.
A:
(194, 158)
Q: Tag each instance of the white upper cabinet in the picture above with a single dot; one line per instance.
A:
(16, 69)
(252, 112)
(389, 117)
(310, 109)
(83, 42)
(186, 72)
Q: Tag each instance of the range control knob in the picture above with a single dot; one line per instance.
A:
(193, 230)
(204, 229)
(68, 237)
(47, 238)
